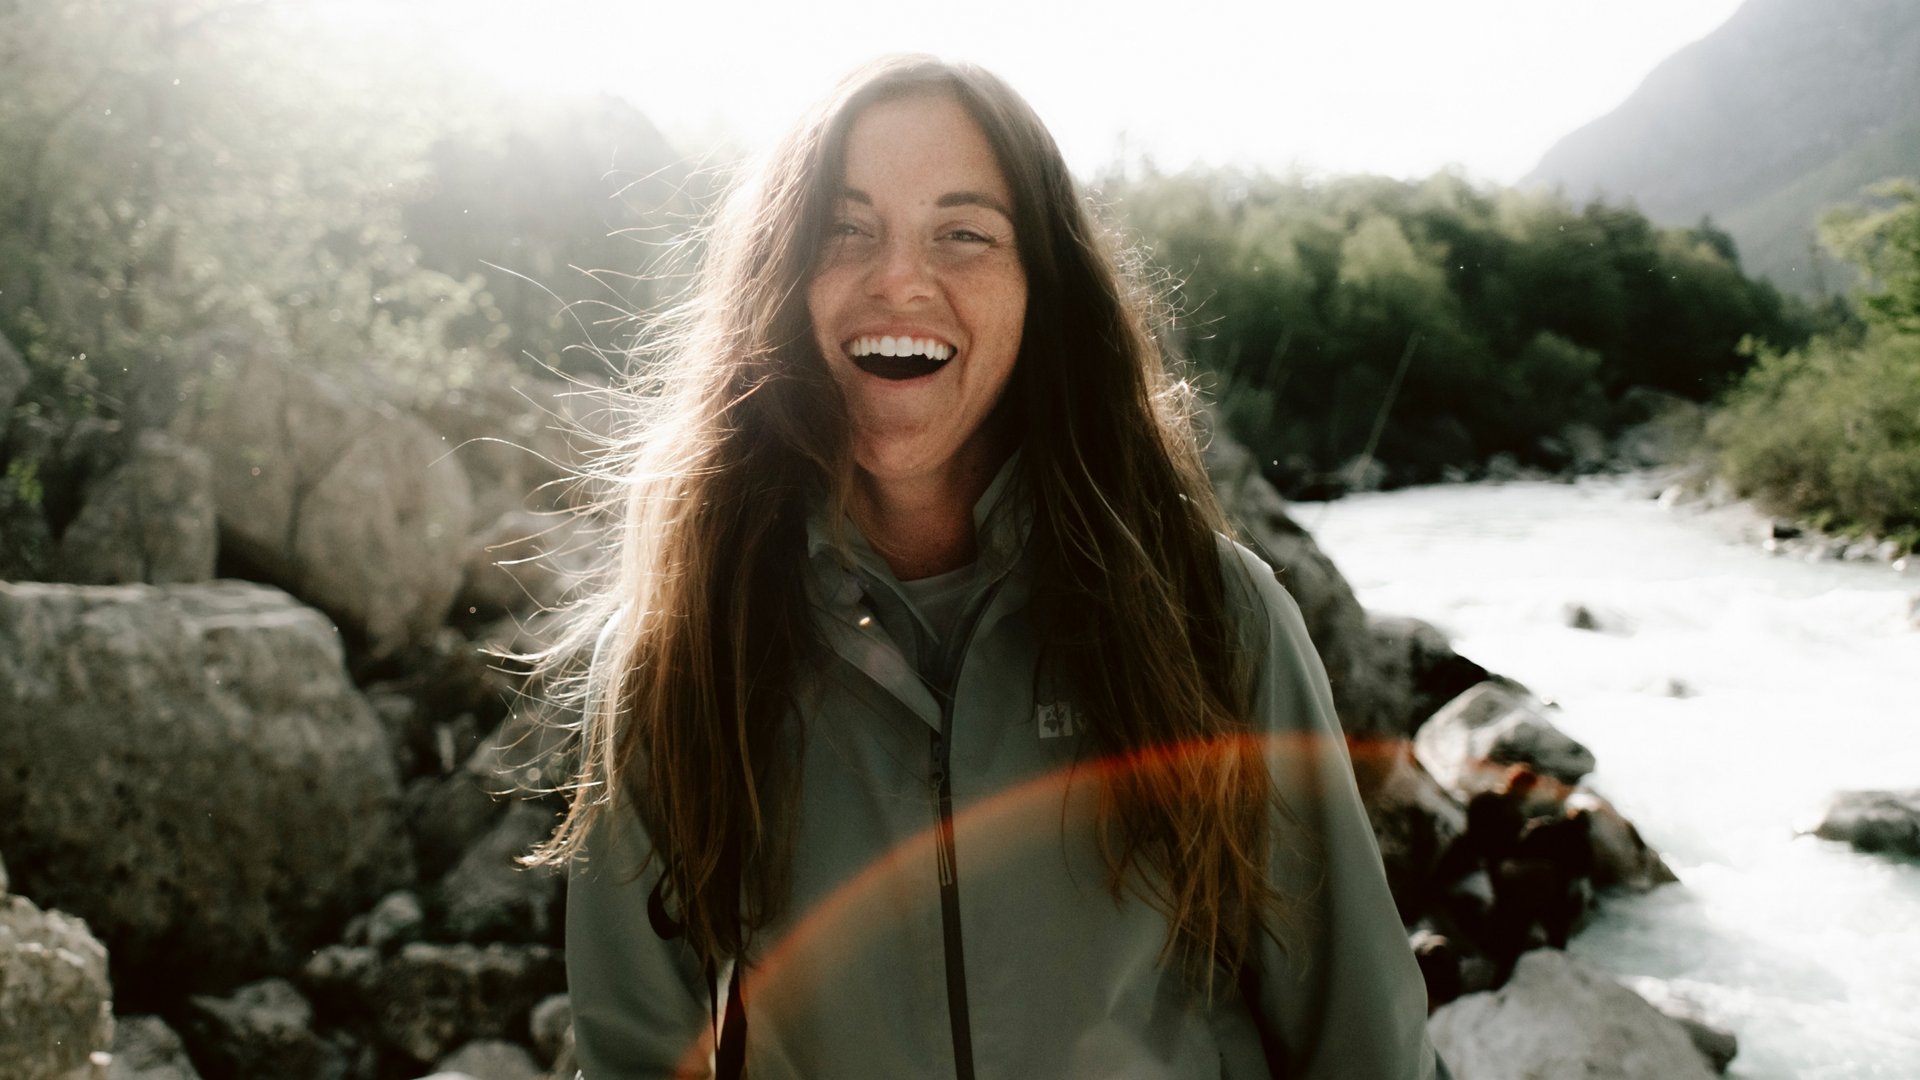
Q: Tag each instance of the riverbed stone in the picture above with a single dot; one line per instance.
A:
(56, 1006)
(145, 1048)
(489, 896)
(199, 780)
(1470, 743)
(1559, 1017)
(262, 1029)
(1621, 859)
(150, 519)
(492, 1059)
(345, 501)
(1874, 821)
(430, 998)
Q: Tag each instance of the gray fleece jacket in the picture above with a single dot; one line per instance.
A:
(949, 914)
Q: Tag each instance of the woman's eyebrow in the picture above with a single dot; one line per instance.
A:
(945, 202)
(974, 198)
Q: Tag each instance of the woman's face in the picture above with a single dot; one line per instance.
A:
(918, 297)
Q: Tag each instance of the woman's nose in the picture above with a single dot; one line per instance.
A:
(900, 273)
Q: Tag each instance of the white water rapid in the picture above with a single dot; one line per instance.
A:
(1726, 694)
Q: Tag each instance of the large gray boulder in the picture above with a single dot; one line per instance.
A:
(151, 519)
(56, 1006)
(525, 562)
(1557, 1017)
(189, 768)
(1470, 743)
(522, 443)
(1874, 821)
(348, 503)
(1334, 618)
(1416, 671)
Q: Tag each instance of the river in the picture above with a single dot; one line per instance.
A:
(1726, 692)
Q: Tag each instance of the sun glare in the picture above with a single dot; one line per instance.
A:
(1386, 86)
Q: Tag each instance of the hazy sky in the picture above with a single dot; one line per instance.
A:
(1392, 86)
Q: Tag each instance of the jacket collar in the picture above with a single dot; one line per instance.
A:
(1002, 520)
(850, 584)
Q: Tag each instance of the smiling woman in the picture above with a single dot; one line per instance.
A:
(932, 727)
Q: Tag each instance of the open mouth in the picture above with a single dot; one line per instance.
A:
(899, 358)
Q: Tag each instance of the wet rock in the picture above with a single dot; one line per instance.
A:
(262, 1029)
(1414, 819)
(428, 998)
(1416, 670)
(56, 1006)
(1621, 859)
(145, 1048)
(492, 1059)
(239, 799)
(1718, 1045)
(151, 519)
(1557, 1017)
(1469, 743)
(490, 897)
(348, 503)
(1874, 821)
(1439, 966)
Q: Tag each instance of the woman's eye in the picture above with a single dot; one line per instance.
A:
(844, 228)
(969, 236)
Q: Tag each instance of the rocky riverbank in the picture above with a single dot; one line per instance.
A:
(261, 791)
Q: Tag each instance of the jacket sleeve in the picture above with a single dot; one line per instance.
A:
(640, 1000)
(1338, 995)
(639, 993)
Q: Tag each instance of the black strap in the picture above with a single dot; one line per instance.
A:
(731, 1062)
(1270, 1046)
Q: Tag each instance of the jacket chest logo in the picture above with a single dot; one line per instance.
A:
(1057, 720)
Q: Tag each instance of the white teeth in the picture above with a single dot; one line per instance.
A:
(888, 345)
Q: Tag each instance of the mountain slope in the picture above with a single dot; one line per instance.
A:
(1789, 107)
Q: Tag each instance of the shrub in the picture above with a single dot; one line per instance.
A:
(1831, 433)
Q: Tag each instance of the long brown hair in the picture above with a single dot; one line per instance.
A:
(738, 425)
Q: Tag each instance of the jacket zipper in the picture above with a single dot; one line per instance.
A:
(958, 1013)
(950, 907)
